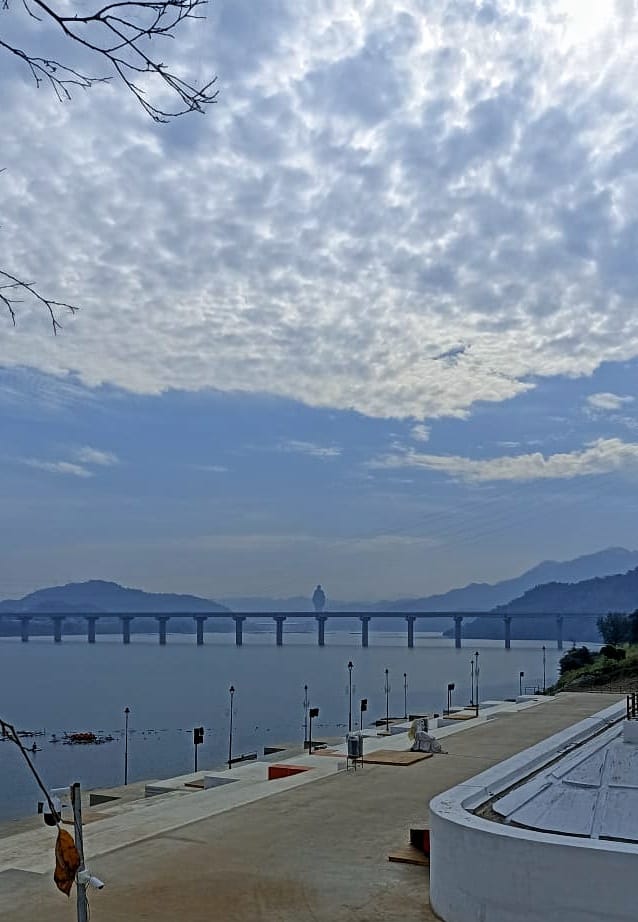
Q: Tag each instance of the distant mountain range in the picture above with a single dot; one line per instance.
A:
(600, 582)
(96, 596)
(473, 597)
(617, 593)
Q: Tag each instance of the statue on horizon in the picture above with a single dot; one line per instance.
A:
(319, 599)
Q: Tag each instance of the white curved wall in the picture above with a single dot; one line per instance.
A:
(481, 871)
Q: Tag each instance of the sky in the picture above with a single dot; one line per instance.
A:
(370, 322)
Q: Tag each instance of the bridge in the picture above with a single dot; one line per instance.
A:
(57, 621)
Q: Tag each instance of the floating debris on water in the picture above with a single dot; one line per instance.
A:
(88, 738)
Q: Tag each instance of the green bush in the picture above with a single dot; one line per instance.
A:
(613, 653)
(576, 659)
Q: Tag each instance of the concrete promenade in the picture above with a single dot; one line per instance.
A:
(306, 852)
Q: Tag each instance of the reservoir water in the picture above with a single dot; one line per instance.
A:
(74, 686)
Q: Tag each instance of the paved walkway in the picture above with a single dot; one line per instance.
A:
(314, 852)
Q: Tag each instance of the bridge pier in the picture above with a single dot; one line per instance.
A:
(508, 631)
(126, 628)
(91, 619)
(365, 622)
(458, 621)
(410, 619)
(321, 629)
(239, 629)
(24, 629)
(162, 621)
(199, 620)
(57, 628)
(559, 632)
(279, 623)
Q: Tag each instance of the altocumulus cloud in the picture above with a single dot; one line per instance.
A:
(599, 457)
(378, 184)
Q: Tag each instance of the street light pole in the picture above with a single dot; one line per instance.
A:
(387, 700)
(231, 691)
(476, 675)
(127, 711)
(472, 683)
(544, 679)
(306, 704)
(405, 696)
(350, 668)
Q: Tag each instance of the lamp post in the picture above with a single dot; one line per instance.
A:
(387, 700)
(306, 704)
(350, 668)
(476, 677)
(472, 683)
(521, 676)
(405, 696)
(127, 711)
(231, 691)
(544, 674)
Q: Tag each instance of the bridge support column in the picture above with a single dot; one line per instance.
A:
(199, 620)
(239, 629)
(365, 622)
(57, 628)
(321, 629)
(279, 623)
(162, 621)
(410, 619)
(24, 629)
(126, 628)
(458, 621)
(91, 619)
(508, 631)
(559, 632)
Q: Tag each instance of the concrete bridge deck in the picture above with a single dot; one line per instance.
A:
(279, 618)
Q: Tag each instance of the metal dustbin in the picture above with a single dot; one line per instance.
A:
(354, 743)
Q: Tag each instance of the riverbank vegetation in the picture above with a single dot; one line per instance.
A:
(614, 666)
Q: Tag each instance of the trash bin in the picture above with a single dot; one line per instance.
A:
(355, 745)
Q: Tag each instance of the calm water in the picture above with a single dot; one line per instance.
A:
(75, 686)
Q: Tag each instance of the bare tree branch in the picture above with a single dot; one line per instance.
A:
(122, 36)
(13, 284)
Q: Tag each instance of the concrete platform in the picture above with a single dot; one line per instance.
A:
(291, 850)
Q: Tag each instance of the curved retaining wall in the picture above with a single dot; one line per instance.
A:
(482, 871)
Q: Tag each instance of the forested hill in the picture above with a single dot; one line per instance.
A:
(601, 594)
(99, 595)
(590, 597)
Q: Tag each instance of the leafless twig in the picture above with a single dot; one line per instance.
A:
(121, 36)
(13, 285)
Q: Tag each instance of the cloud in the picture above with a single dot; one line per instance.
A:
(602, 456)
(84, 458)
(89, 455)
(374, 187)
(420, 432)
(59, 467)
(211, 468)
(606, 401)
(310, 448)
